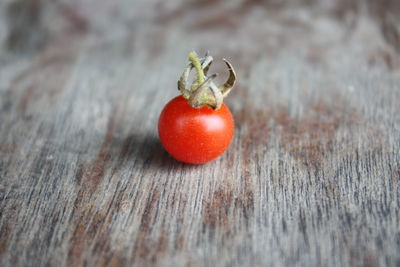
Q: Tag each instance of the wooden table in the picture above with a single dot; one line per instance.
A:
(312, 177)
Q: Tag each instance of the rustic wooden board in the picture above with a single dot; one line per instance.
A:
(312, 177)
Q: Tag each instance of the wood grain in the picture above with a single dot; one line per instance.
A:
(312, 177)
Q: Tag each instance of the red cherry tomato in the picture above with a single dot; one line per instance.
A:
(195, 135)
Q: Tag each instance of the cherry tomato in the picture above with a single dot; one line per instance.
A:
(195, 135)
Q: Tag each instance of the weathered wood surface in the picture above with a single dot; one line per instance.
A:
(311, 177)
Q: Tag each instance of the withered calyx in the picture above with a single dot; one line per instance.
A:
(203, 91)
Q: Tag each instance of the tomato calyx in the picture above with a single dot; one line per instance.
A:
(203, 91)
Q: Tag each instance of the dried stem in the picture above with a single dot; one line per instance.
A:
(194, 58)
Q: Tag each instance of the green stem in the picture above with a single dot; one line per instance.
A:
(194, 58)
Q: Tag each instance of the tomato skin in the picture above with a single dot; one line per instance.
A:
(195, 135)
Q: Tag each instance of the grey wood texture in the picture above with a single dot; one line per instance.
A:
(311, 177)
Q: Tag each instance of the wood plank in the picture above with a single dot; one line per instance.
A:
(312, 177)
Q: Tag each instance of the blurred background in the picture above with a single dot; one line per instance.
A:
(307, 28)
(315, 35)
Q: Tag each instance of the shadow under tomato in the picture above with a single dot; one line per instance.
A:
(147, 151)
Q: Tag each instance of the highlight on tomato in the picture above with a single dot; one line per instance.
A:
(197, 127)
